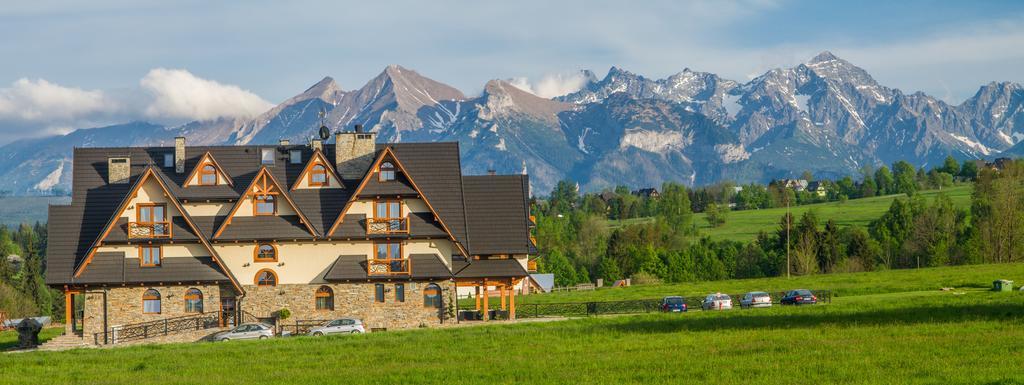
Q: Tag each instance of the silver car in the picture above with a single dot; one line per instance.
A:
(717, 301)
(756, 299)
(246, 332)
(344, 325)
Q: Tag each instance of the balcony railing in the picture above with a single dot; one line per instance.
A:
(149, 229)
(387, 226)
(388, 267)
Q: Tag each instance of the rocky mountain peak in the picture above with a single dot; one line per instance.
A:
(324, 89)
(824, 56)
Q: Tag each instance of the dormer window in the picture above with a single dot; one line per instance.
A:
(387, 172)
(318, 175)
(264, 204)
(168, 160)
(295, 156)
(208, 175)
(267, 156)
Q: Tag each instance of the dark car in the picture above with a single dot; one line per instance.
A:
(673, 304)
(799, 297)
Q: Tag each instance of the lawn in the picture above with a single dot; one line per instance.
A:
(917, 337)
(841, 284)
(744, 225)
(9, 338)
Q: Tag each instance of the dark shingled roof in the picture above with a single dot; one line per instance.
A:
(488, 268)
(347, 267)
(434, 167)
(498, 211)
(428, 266)
(113, 267)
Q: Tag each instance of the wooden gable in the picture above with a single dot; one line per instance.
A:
(198, 172)
(317, 166)
(263, 185)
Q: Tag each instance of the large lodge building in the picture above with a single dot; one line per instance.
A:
(380, 232)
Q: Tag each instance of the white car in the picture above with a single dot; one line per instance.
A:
(756, 299)
(344, 325)
(717, 301)
(246, 332)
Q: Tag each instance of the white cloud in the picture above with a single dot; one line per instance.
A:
(41, 101)
(552, 85)
(178, 94)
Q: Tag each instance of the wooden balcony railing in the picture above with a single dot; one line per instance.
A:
(387, 226)
(388, 267)
(149, 229)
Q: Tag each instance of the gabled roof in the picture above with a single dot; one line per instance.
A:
(498, 211)
(317, 158)
(147, 174)
(269, 180)
(207, 158)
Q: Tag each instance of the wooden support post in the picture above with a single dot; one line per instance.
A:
(503, 290)
(512, 304)
(69, 325)
(486, 298)
(477, 289)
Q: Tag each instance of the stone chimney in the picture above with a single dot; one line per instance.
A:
(285, 142)
(317, 144)
(119, 170)
(353, 152)
(179, 155)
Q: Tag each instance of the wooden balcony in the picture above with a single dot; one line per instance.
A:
(387, 226)
(531, 266)
(138, 230)
(388, 267)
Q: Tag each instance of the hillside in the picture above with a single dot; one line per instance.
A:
(744, 225)
(17, 210)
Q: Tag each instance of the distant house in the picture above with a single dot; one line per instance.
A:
(999, 163)
(607, 197)
(651, 193)
(795, 184)
(817, 187)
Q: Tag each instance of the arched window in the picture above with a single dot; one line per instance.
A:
(193, 301)
(432, 296)
(318, 175)
(151, 302)
(324, 298)
(265, 252)
(266, 278)
(387, 171)
(207, 175)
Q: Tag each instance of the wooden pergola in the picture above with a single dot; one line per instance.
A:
(505, 286)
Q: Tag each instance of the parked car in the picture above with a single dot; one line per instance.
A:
(673, 304)
(756, 299)
(799, 297)
(343, 325)
(246, 332)
(717, 301)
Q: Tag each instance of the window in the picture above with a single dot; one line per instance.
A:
(400, 292)
(152, 220)
(265, 204)
(207, 175)
(378, 292)
(318, 175)
(324, 298)
(265, 252)
(149, 256)
(193, 301)
(151, 302)
(267, 156)
(390, 254)
(432, 296)
(168, 160)
(295, 156)
(387, 172)
(387, 209)
(266, 278)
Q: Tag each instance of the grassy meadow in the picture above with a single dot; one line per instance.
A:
(903, 335)
(9, 338)
(744, 225)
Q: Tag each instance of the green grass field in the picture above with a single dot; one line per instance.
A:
(9, 338)
(968, 336)
(744, 225)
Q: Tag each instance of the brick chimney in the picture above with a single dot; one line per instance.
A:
(179, 155)
(317, 144)
(285, 142)
(353, 152)
(119, 170)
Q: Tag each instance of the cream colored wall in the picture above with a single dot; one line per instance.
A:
(150, 192)
(207, 209)
(306, 262)
(365, 207)
(169, 251)
(283, 208)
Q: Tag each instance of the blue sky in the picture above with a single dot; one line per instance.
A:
(68, 65)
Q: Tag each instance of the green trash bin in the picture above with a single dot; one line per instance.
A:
(1002, 285)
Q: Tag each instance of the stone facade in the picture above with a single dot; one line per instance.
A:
(356, 300)
(353, 153)
(124, 305)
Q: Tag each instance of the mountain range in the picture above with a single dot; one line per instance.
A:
(826, 116)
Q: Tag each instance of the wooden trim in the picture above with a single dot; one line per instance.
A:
(322, 293)
(206, 159)
(380, 174)
(142, 262)
(256, 252)
(264, 171)
(146, 297)
(318, 157)
(150, 222)
(202, 301)
(313, 172)
(263, 198)
(366, 179)
(256, 278)
(200, 181)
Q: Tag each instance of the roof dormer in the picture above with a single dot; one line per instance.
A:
(264, 197)
(318, 174)
(208, 172)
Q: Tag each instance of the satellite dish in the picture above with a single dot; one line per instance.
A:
(325, 133)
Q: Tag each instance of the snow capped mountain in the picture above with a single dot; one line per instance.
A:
(825, 115)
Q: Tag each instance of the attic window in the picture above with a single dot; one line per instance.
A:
(295, 156)
(168, 160)
(267, 156)
(387, 172)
